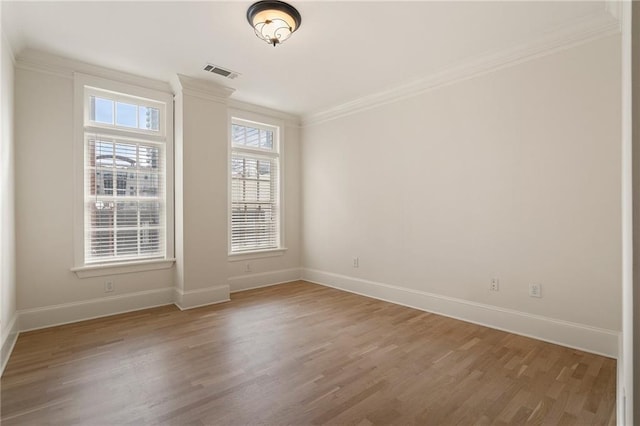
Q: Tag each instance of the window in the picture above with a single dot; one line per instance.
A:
(255, 187)
(125, 177)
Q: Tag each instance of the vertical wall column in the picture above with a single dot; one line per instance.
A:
(201, 126)
(635, 134)
(8, 317)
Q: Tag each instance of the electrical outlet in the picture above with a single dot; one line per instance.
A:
(535, 290)
(247, 267)
(495, 285)
(356, 262)
(108, 286)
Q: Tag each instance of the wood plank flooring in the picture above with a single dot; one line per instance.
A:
(299, 354)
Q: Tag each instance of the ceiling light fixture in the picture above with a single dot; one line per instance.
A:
(273, 21)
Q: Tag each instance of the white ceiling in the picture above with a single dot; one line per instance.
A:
(342, 51)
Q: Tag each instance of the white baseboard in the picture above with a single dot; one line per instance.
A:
(263, 279)
(9, 338)
(621, 392)
(49, 316)
(578, 336)
(201, 297)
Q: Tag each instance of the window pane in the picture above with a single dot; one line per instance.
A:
(126, 115)
(250, 190)
(253, 226)
(148, 184)
(101, 110)
(264, 170)
(237, 134)
(264, 191)
(252, 137)
(237, 167)
(148, 118)
(149, 240)
(103, 154)
(149, 157)
(101, 243)
(104, 182)
(149, 214)
(126, 156)
(127, 242)
(131, 185)
(250, 168)
(266, 139)
(101, 214)
(127, 214)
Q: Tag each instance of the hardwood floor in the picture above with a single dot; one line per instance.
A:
(299, 354)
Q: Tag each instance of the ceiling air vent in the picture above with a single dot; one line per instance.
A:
(221, 71)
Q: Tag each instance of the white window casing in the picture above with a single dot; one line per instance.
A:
(124, 183)
(255, 186)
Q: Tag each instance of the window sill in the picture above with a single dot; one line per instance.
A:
(105, 269)
(236, 257)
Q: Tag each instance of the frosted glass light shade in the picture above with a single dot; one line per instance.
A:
(273, 21)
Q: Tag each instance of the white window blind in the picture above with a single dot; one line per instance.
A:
(255, 187)
(125, 180)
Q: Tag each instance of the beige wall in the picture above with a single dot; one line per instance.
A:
(285, 267)
(203, 266)
(44, 205)
(513, 174)
(204, 193)
(7, 203)
(50, 292)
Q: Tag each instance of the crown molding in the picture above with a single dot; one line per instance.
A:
(10, 50)
(592, 27)
(204, 89)
(290, 120)
(35, 60)
(614, 8)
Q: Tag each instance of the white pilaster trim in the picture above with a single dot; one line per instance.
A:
(204, 89)
(625, 382)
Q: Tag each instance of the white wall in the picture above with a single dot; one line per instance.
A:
(8, 326)
(513, 174)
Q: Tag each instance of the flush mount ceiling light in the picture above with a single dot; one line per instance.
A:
(273, 21)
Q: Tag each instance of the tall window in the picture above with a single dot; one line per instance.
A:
(255, 187)
(125, 191)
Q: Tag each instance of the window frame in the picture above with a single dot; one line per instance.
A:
(84, 87)
(277, 126)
